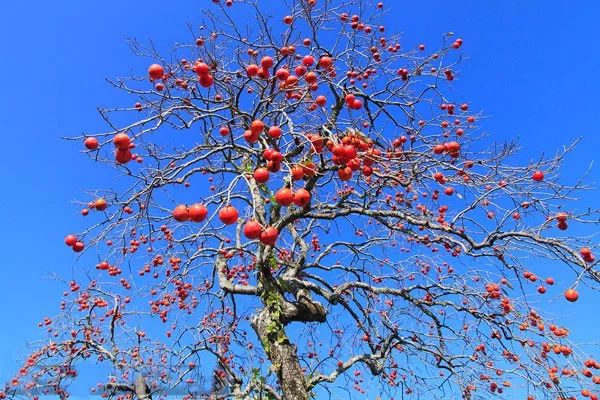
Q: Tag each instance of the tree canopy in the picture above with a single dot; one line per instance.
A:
(302, 210)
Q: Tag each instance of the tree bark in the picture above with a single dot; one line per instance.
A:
(282, 354)
(269, 324)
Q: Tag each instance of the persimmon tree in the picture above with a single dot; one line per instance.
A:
(303, 209)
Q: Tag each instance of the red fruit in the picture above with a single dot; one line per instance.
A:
(276, 157)
(100, 204)
(356, 105)
(261, 175)
(301, 197)
(266, 62)
(291, 81)
(123, 156)
(321, 101)
(561, 217)
(550, 281)
(252, 70)
(156, 71)
(308, 60)
(353, 164)
(268, 153)
(563, 226)
(224, 131)
(439, 177)
(449, 191)
(263, 73)
(571, 295)
(309, 169)
(338, 150)
(586, 254)
(273, 166)
(311, 78)
(300, 70)
(228, 215)
(252, 230)
(297, 173)
(345, 174)
(206, 80)
(70, 240)
(284, 196)
(452, 147)
(250, 136)
(181, 213)
(325, 62)
(349, 152)
(257, 127)
(197, 212)
(122, 141)
(282, 74)
(288, 19)
(438, 149)
(268, 237)
(91, 143)
(275, 132)
(78, 246)
(538, 176)
(202, 69)
(541, 290)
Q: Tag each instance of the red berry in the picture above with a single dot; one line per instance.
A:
(181, 213)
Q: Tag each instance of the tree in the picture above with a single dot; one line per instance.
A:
(301, 207)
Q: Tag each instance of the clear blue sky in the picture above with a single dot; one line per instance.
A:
(532, 67)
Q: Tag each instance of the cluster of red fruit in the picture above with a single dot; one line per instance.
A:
(273, 158)
(457, 43)
(204, 76)
(285, 197)
(112, 269)
(228, 3)
(452, 148)
(352, 102)
(450, 108)
(590, 363)
(345, 154)
(72, 242)
(290, 79)
(587, 255)
(195, 213)
(254, 230)
(561, 219)
(123, 145)
(229, 215)
(157, 72)
(256, 128)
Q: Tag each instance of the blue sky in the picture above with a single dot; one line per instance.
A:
(531, 68)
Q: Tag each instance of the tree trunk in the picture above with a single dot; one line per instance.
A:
(282, 354)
